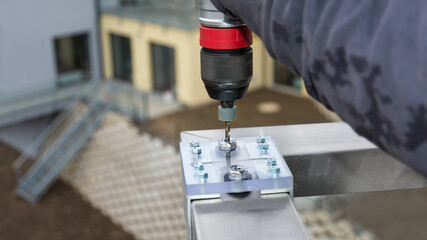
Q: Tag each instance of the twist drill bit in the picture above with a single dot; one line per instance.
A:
(227, 132)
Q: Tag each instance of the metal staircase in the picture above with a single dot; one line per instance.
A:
(45, 170)
(70, 131)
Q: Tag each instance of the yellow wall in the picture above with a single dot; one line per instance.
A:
(189, 86)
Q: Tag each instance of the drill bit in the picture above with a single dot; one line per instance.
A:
(227, 132)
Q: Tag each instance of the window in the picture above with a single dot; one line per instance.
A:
(72, 59)
(283, 76)
(122, 58)
(163, 67)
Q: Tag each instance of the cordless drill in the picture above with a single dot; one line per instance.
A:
(226, 59)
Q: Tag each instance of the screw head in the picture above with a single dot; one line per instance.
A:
(260, 139)
(275, 170)
(196, 150)
(199, 166)
(202, 175)
(194, 143)
(271, 162)
(263, 146)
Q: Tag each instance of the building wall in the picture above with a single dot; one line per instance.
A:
(190, 88)
(27, 32)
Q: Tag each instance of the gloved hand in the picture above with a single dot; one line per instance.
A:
(229, 16)
(245, 9)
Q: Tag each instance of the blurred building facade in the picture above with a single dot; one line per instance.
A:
(154, 45)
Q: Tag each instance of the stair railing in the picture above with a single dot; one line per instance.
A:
(26, 159)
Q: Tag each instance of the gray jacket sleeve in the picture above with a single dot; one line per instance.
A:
(366, 60)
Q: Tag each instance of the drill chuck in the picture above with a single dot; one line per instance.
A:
(226, 62)
(226, 73)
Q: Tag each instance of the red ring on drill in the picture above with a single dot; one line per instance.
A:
(225, 38)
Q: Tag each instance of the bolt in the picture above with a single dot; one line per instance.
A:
(260, 139)
(194, 143)
(263, 146)
(275, 170)
(199, 166)
(271, 162)
(196, 150)
(202, 175)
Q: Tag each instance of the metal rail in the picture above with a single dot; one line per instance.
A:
(329, 158)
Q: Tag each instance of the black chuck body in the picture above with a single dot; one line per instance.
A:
(226, 73)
